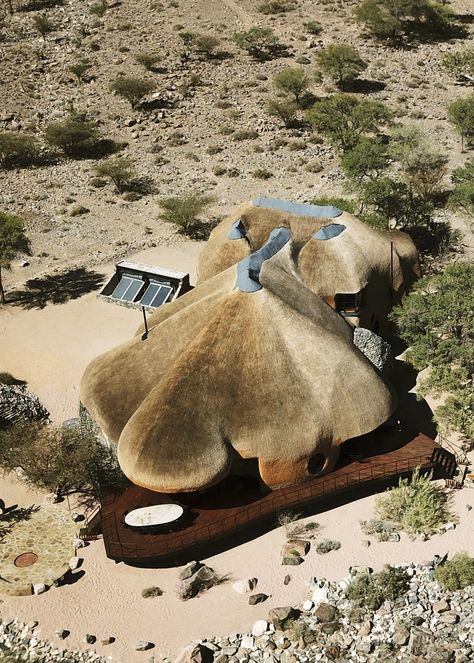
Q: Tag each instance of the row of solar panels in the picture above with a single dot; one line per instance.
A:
(133, 289)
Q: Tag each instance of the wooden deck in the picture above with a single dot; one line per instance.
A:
(219, 516)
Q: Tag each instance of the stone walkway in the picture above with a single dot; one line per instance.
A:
(48, 533)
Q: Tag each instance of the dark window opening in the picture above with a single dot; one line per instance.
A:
(316, 463)
(349, 304)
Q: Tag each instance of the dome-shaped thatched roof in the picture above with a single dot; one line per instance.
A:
(250, 364)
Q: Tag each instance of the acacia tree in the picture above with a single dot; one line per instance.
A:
(461, 114)
(261, 43)
(344, 119)
(436, 321)
(462, 196)
(13, 241)
(341, 62)
(291, 81)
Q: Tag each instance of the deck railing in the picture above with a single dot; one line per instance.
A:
(299, 496)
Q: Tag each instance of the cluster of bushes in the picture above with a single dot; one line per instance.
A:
(370, 590)
(456, 573)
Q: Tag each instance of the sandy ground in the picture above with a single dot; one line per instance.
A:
(50, 348)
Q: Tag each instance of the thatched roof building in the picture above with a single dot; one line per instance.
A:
(253, 363)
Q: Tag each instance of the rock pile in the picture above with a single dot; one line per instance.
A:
(24, 643)
(426, 623)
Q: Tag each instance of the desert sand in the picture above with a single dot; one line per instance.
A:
(50, 349)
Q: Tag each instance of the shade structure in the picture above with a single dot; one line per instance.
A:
(230, 373)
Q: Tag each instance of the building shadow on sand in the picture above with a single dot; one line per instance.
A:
(56, 288)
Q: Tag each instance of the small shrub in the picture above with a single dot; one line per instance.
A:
(261, 43)
(262, 174)
(76, 136)
(214, 149)
(245, 134)
(147, 60)
(185, 210)
(341, 62)
(313, 27)
(43, 25)
(416, 505)
(277, 6)
(297, 145)
(292, 80)
(371, 590)
(233, 172)
(456, 573)
(99, 8)
(326, 546)
(151, 592)
(226, 130)
(381, 529)
(131, 89)
(460, 63)
(285, 110)
(80, 68)
(461, 115)
(18, 150)
(219, 170)
(119, 170)
(314, 167)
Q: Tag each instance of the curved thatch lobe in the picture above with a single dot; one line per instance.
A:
(116, 383)
(272, 374)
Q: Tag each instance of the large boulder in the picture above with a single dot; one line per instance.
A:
(204, 578)
(325, 612)
(283, 618)
(377, 351)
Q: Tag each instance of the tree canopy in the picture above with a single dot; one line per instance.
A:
(461, 114)
(291, 81)
(462, 196)
(341, 62)
(437, 323)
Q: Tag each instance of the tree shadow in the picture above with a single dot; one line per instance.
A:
(57, 288)
(363, 86)
(37, 5)
(142, 185)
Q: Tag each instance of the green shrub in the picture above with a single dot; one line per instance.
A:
(131, 89)
(326, 546)
(285, 110)
(147, 60)
(151, 592)
(219, 170)
(462, 196)
(76, 136)
(80, 68)
(461, 115)
(416, 505)
(371, 590)
(345, 204)
(277, 6)
(42, 24)
(185, 210)
(262, 174)
(313, 27)
(119, 170)
(13, 242)
(341, 62)
(381, 529)
(18, 150)
(344, 119)
(99, 8)
(261, 43)
(245, 134)
(460, 63)
(456, 573)
(367, 159)
(291, 81)
(214, 149)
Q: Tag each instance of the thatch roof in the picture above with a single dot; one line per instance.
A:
(345, 265)
(230, 372)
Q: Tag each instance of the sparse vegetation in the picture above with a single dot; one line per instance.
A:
(460, 63)
(341, 62)
(185, 211)
(286, 110)
(326, 546)
(76, 136)
(18, 150)
(13, 241)
(148, 60)
(461, 115)
(291, 81)
(80, 69)
(369, 591)
(151, 592)
(456, 573)
(119, 170)
(462, 195)
(261, 43)
(131, 89)
(277, 6)
(416, 505)
(42, 24)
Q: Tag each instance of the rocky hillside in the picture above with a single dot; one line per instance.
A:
(206, 124)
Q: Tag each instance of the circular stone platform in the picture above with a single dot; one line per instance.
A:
(36, 549)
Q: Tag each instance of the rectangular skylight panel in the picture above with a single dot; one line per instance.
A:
(121, 287)
(150, 294)
(161, 296)
(132, 290)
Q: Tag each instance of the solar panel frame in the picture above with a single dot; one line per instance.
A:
(162, 295)
(153, 287)
(127, 288)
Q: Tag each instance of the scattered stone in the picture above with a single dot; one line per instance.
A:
(89, 639)
(203, 579)
(143, 645)
(325, 612)
(75, 563)
(308, 605)
(107, 641)
(468, 507)
(39, 588)
(449, 617)
(365, 629)
(287, 580)
(247, 642)
(419, 639)
(394, 537)
(401, 636)
(441, 606)
(260, 627)
(282, 618)
(201, 654)
(257, 598)
(296, 547)
(244, 586)
(189, 570)
(62, 633)
(292, 560)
